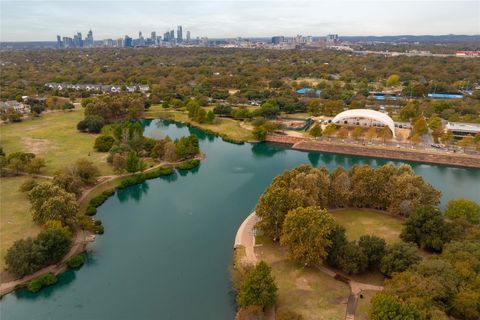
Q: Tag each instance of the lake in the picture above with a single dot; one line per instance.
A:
(168, 242)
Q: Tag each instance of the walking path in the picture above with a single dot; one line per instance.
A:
(245, 237)
(79, 242)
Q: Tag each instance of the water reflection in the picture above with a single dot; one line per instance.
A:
(267, 150)
(134, 192)
(193, 171)
(64, 280)
(314, 158)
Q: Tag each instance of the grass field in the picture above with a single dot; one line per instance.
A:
(227, 127)
(15, 219)
(54, 137)
(306, 291)
(363, 305)
(361, 222)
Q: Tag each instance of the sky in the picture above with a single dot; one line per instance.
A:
(43, 20)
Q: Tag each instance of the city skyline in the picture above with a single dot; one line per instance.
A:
(227, 19)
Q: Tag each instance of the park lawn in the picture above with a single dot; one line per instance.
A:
(15, 218)
(53, 136)
(360, 222)
(227, 127)
(363, 306)
(306, 291)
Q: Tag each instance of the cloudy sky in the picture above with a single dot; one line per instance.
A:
(43, 20)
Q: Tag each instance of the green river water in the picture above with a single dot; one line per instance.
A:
(168, 243)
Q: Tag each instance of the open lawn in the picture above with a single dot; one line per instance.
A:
(360, 222)
(53, 136)
(15, 219)
(306, 291)
(227, 127)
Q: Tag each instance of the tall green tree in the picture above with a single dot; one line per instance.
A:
(258, 287)
(306, 233)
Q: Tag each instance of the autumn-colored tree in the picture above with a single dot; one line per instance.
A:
(305, 233)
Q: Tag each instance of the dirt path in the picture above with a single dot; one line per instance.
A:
(245, 237)
(79, 242)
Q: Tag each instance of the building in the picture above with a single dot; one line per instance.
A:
(172, 36)
(13, 104)
(179, 34)
(278, 39)
(445, 96)
(127, 42)
(89, 43)
(153, 38)
(332, 38)
(460, 129)
(376, 118)
(59, 42)
(188, 36)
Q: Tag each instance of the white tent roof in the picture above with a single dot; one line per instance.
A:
(368, 114)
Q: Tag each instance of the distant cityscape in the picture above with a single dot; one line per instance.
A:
(170, 39)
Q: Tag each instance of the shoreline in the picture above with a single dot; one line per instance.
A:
(81, 237)
(438, 158)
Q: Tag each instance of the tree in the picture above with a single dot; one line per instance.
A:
(305, 232)
(68, 182)
(388, 307)
(86, 171)
(420, 127)
(374, 248)
(352, 259)
(92, 124)
(356, 133)
(343, 133)
(371, 133)
(386, 134)
(119, 162)
(447, 138)
(427, 228)
(50, 202)
(132, 162)
(393, 80)
(466, 142)
(435, 124)
(316, 131)
(398, 258)
(330, 129)
(29, 255)
(103, 143)
(339, 191)
(35, 165)
(314, 107)
(210, 117)
(259, 133)
(187, 147)
(463, 209)
(338, 240)
(258, 288)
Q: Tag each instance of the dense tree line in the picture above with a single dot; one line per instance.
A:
(395, 189)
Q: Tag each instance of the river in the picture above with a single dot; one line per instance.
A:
(168, 242)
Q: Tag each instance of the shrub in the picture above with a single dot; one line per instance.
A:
(91, 211)
(28, 185)
(187, 165)
(352, 259)
(130, 181)
(374, 248)
(76, 261)
(162, 171)
(93, 124)
(43, 281)
(387, 307)
(104, 143)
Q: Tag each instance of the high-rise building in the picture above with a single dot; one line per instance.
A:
(179, 34)
(166, 36)
(127, 42)
(278, 39)
(188, 36)
(141, 41)
(89, 39)
(172, 36)
(153, 38)
(332, 38)
(59, 42)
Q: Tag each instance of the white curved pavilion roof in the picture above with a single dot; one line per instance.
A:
(368, 114)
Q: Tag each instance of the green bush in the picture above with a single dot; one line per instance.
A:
(98, 229)
(91, 211)
(76, 261)
(103, 143)
(187, 165)
(130, 181)
(162, 171)
(43, 281)
(28, 185)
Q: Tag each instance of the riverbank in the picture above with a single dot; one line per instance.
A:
(82, 237)
(438, 157)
